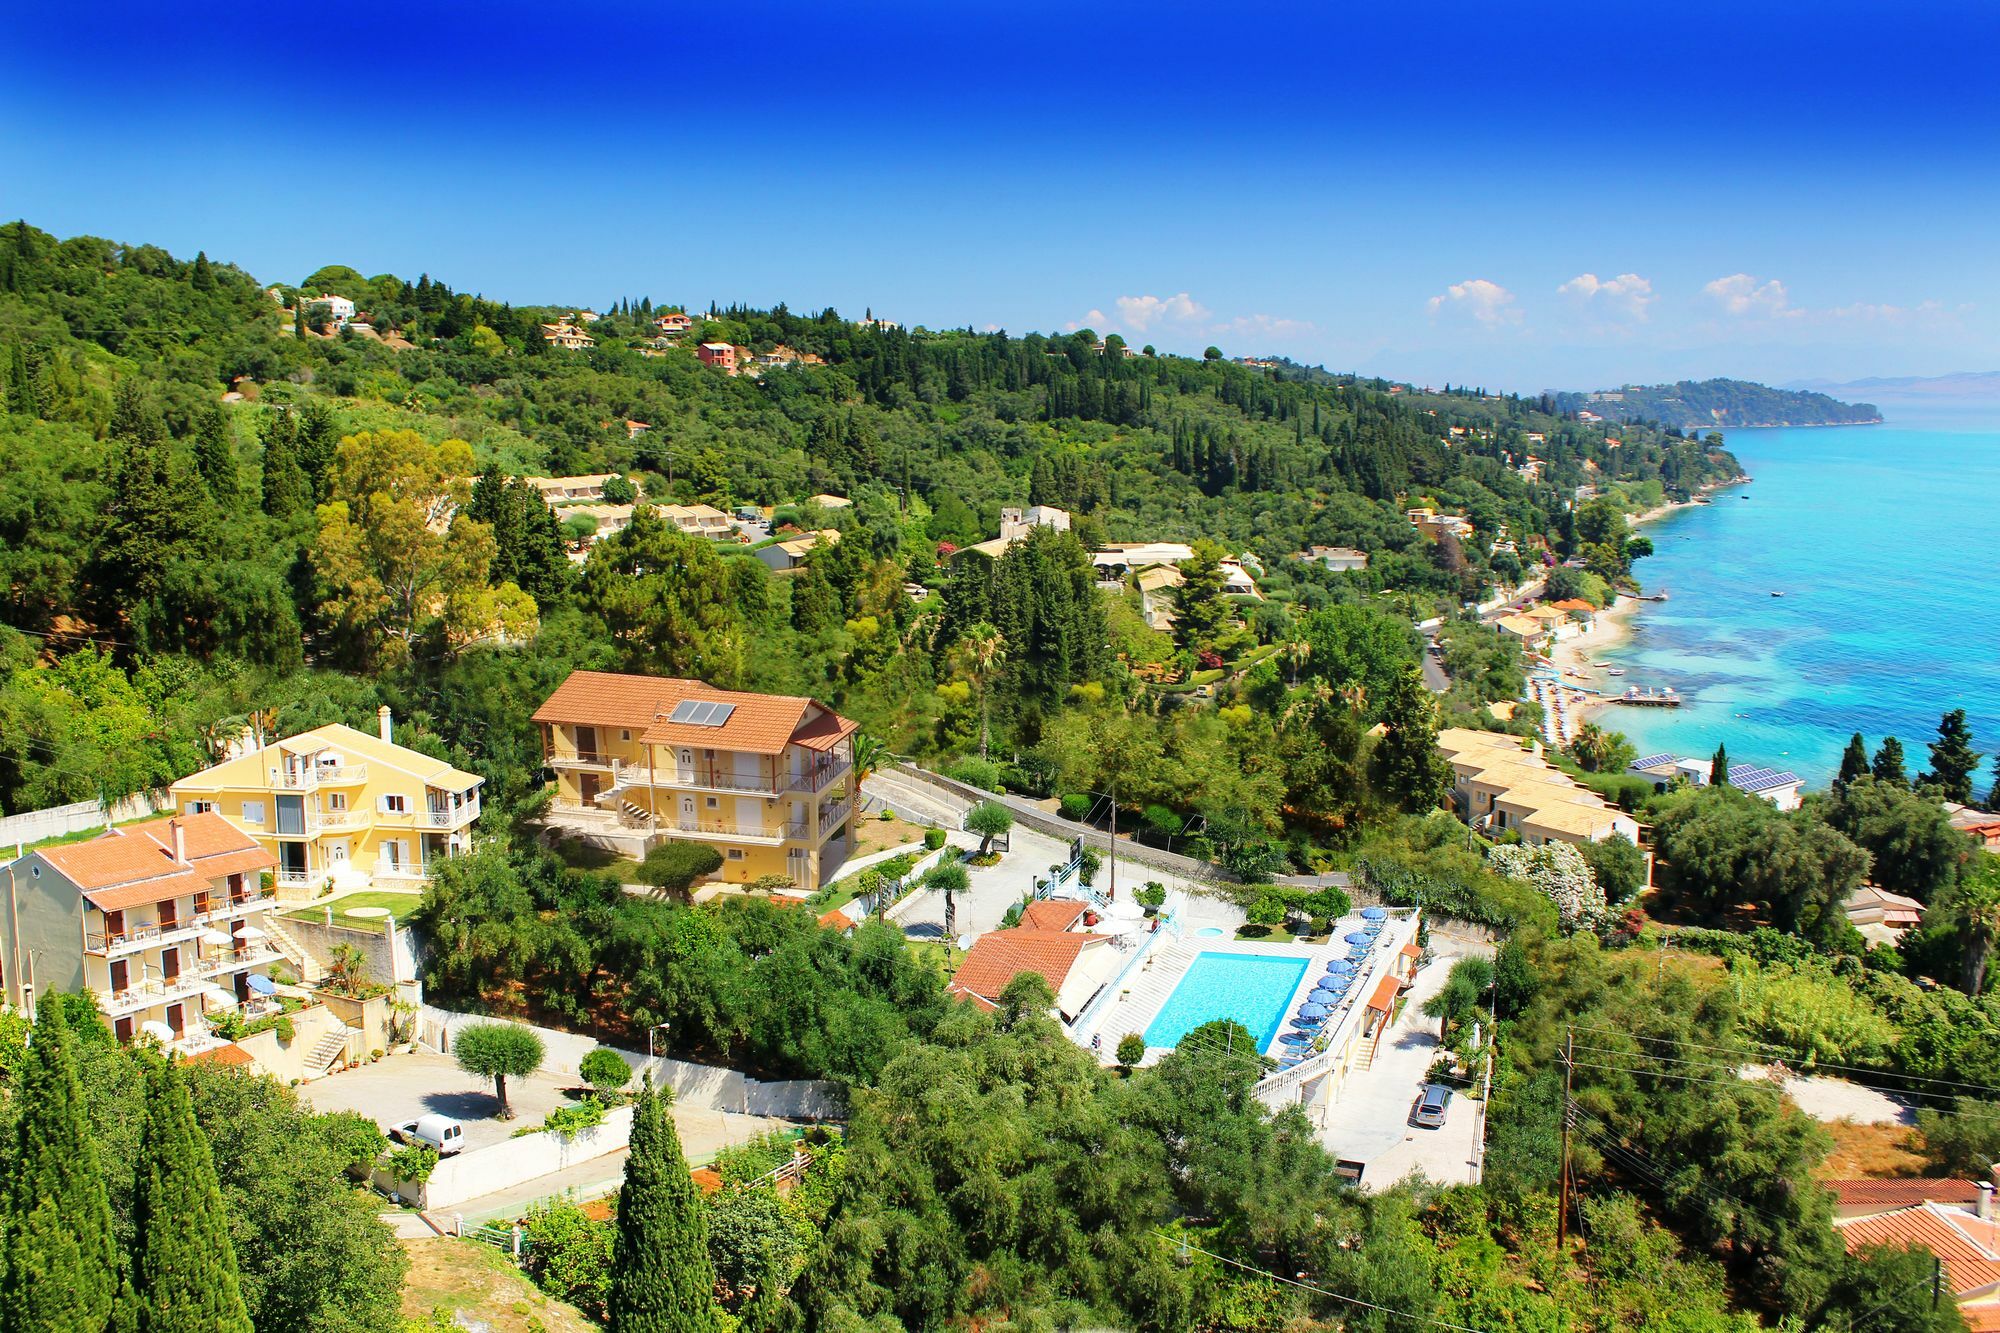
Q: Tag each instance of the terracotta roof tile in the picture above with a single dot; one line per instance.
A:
(135, 863)
(1384, 997)
(1961, 1241)
(1051, 914)
(997, 958)
(232, 1054)
(1903, 1193)
(759, 723)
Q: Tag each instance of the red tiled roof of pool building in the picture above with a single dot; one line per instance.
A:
(997, 958)
(1385, 994)
(1052, 914)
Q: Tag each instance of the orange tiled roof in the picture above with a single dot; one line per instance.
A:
(135, 863)
(1960, 1240)
(998, 958)
(759, 723)
(1572, 604)
(835, 919)
(1905, 1192)
(1384, 997)
(1051, 914)
(232, 1054)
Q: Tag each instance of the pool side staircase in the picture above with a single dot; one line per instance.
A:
(1150, 982)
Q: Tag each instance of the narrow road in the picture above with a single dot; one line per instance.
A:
(1434, 675)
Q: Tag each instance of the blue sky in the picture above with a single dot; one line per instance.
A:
(1529, 196)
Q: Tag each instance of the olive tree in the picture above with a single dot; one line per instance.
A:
(498, 1051)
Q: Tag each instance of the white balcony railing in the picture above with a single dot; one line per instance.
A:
(321, 775)
(453, 816)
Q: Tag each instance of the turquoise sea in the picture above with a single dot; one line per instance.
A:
(1883, 540)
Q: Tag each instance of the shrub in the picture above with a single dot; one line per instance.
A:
(1131, 1049)
(1076, 806)
(933, 839)
(974, 772)
(284, 1027)
(1268, 910)
(1151, 894)
(605, 1070)
(412, 1163)
(1088, 865)
(569, 1255)
(569, 1121)
(674, 866)
(1161, 822)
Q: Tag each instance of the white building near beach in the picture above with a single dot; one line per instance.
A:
(1780, 787)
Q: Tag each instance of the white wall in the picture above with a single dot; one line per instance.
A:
(502, 1166)
(57, 820)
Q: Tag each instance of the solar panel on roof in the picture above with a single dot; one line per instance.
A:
(701, 712)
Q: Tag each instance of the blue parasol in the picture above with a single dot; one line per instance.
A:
(1355, 937)
(1374, 913)
(1338, 967)
(263, 985)
(1311, 1011)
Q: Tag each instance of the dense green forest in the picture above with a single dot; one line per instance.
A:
(1714, 404)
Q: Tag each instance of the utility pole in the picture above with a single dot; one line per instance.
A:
(1562, 1209)
(1937, 1280)
(1112, 897)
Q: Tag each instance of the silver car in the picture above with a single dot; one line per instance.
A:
(1431, 1105)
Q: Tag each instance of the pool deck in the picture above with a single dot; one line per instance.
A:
(1164, 968)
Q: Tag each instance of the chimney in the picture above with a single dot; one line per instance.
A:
(1984, 1207)
(385, 723)
(181, 855)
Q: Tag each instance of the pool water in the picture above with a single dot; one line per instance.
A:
(1210, 932)
(1253, 989)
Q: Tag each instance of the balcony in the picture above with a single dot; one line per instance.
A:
(132, 939)
(338, 819)
(146, 994)
(219, 962)
(582, 759)
(322, 775)
(833, 814)
(453, 816)
(219, 909)
(820, 776)
(731, 831)
(699, 777)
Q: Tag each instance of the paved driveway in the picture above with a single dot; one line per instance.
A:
(1369, 1120)
(403, 1087)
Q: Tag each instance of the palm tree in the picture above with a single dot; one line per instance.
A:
(869, 753)
(982, 649)
(1977, 903)
(1297, 652)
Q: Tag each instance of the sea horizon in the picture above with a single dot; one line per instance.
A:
(1841, 590)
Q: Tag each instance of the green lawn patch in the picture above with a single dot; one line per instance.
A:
(399, 904)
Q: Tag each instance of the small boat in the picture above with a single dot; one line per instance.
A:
(1777, 594)
(1614, 671)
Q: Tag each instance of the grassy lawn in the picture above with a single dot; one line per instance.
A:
(937, 955)
(455, 1275)
(399, 904)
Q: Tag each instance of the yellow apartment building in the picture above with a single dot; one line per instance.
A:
(766, 778)
(164, 921)
(336, 805)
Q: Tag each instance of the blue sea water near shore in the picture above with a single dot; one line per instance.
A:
(1882, 540)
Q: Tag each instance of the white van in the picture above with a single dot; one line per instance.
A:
(440, 1131)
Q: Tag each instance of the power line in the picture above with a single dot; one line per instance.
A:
(1187, 1246)
(1764, 1051)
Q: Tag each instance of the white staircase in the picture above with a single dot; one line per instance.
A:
(309, 971)
(326, 1050)
(1148, 989)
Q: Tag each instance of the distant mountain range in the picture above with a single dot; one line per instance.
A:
(1964, 384)
(1717, 404)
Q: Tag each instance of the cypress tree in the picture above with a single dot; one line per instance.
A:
(183, 1265)
(661, 1278)
(62, 1265)
(214, 458)
(1888, 766)
(287, 490)
(1953, 760)
(1718, 767)
(1854, 762)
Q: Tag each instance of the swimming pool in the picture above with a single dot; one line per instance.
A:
(1253, 989)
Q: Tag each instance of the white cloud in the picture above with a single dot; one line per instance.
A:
(1628, 293)
(1487, 302)
(1263, 326)
(1741, 294)
(1140, 313)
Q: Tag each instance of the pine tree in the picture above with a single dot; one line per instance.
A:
(1888, 766)
(318, 435)
(1854, 762)
(215, 459)
(158, 516)
(202, 276)
(62, 1264)
(661, 1278)
(183, 1265)
(1953, 760)
(1718, 767)
(1993, 796)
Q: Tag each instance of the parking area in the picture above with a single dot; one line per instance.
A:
(403, 1087)
(1369, 1121)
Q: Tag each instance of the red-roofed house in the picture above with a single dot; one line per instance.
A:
(162, 921)
(763, 777)
(1867, 1198)
(1967, 1243)
(1076, 964)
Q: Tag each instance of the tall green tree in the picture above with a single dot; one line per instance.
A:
(1853, 761)
(183, 1264)
(62, 1266)
(287, 490)
(215, 459)
(654, 589)
(1953, 760)
(1201, 608)
(159, 524)
(661, 1278)
(1888, 765)
(1407, 766)
(1718, 767)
